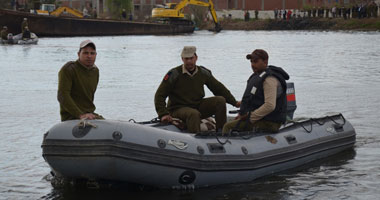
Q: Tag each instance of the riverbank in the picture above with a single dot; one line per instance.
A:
(51, 26)
(370, 24)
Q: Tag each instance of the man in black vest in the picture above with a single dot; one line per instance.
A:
(263, 106)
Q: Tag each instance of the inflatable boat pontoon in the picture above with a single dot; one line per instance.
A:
(163, 156)
(150, 153)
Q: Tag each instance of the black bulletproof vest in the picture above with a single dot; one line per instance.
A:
(253, 96)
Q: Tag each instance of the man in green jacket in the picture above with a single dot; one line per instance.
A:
(77, 83)
(24, 24)
(4, 33)
(184, 85)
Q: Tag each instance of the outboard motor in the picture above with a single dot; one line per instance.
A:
(291, 100)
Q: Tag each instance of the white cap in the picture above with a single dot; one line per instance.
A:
(86, 43)
(188, 51)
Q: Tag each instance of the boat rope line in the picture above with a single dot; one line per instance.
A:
(318, 122)
(234, 131)
(311, 126)
(311, 120)
(341, 116)
(152, 121)
(220, 142)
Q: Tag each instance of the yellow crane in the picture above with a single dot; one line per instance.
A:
(174, 11)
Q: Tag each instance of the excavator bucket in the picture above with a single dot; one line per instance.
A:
(218, 28)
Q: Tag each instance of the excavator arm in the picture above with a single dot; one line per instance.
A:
(62, 10)
(218, 28)
(177, 11)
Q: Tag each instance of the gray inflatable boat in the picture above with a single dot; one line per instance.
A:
(150, 153)
(163, 156)
(17, 39)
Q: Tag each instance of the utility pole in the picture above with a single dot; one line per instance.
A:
(262, 4)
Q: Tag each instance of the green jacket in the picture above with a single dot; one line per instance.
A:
(23, 25)
(4, 34)
(186, 91)
(76, 89)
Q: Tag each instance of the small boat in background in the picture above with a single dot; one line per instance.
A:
(17, 39)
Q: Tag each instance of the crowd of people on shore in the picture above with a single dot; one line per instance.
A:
(364, 10)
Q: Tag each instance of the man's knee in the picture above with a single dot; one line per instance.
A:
(219, 100)
(193, 114)
(228, 126)
(190, 116)
(220, 103)
(193, 121)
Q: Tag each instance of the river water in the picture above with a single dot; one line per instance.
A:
(332, 72)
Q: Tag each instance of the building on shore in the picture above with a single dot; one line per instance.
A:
(226, 7)
(257, 4)
(142, 8)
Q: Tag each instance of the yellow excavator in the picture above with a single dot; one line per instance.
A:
(62, 11)
(174, 11)
(49, 9)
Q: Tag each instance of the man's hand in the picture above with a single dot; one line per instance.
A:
(166, 118)
(241, 117)
(87, 116)
(238, 104)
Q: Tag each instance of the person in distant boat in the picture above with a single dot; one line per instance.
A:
(264, 103)
(77, 83)
(24, 24)
(85, 13)
(184, 85)
(4, 33)
(26, 34)
(124, 14)
(94, 13)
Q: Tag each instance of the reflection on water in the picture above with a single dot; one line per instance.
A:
(332, 71)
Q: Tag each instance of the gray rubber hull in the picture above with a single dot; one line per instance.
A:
(164, 157)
